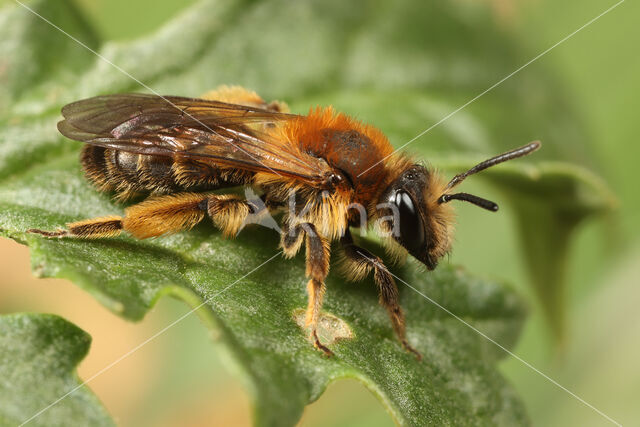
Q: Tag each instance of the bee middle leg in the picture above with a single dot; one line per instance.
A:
(317, 268)
(161, 215)
(359, 262)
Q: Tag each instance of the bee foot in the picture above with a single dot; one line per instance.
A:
(50, 234)
(412, 350)
(317, 344)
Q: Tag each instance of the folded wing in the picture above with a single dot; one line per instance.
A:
(227, 135)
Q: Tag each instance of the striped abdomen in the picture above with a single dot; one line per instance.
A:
(130, 174)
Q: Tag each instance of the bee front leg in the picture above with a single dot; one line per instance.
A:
(317, 268)
(359, 262)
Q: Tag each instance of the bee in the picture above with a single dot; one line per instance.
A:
(329, 169)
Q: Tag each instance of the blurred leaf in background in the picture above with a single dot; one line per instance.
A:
(399, 66)
(38, 357)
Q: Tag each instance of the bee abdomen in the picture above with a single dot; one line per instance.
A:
(94, 163)
(131, 174)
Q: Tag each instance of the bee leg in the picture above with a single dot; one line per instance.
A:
(243, 96)
(317, 268)
(228, 212)
(291, 240)
(153, 217)
(359, 262)
(317, 256)
(95, 228)
(162, 215)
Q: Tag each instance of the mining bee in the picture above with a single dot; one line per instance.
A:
(325, 170)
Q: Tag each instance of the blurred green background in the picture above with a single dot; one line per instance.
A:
(179, 378)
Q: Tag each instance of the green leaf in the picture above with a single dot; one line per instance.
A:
(38, 358)
(400, 65)
(256, 317)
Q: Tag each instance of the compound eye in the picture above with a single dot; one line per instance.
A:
(411, 229)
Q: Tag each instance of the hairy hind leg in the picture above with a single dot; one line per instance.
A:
(161, 215)
(242, 96)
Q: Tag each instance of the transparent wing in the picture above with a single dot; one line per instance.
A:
(229, 135)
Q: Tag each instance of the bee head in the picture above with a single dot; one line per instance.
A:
(414, 218)
(415, 206)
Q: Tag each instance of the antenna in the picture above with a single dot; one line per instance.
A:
(509, 155)
(466, 197)
(479, 201)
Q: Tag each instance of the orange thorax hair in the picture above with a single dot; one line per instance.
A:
(347, 145)
(361, 153)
